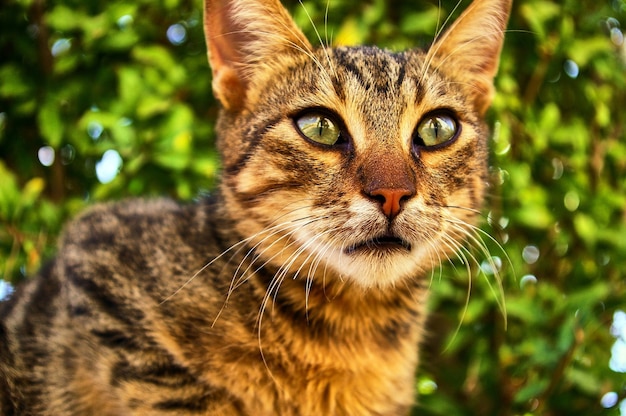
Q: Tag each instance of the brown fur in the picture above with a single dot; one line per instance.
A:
(300, 287)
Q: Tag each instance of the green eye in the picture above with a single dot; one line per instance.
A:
(319, 128)
(436, 129)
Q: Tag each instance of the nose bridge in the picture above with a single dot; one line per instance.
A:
(384, 164)
(386, 168)
(386, 177)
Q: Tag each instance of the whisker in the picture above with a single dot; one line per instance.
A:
(313, 265)
(276, 282)
(432, 52)
(461, 254)
(302, 48)
(308, 15)
(482, 232)
(271, 231)
(296, 227)
(319, 37)
(236, 282)
(326, 23)
(432, 249)
(467, 258)
(203, 268)
(474, 237)
(441, 28)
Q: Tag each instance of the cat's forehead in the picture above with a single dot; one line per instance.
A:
(380, 80)
(371, 56)
(375, 68)
(380, 72)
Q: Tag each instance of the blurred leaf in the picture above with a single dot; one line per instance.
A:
(583, 51)
(584, 381)
(49, 121)
(155, 56)
(9, 192)
(66, 19)
(350, 33)
(120, 41)
(538, 13)
(13, 83)
(31, 191)
(531, 391)
(421, 23)
(152, 105)
(586, 228)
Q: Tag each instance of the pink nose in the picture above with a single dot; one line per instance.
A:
(390, 200)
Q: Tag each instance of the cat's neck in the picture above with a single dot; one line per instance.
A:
(336, 331)
(334, 310)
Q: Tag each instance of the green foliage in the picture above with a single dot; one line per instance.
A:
(84, 78)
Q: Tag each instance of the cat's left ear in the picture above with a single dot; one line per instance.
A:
(471, 48)
(244, 37)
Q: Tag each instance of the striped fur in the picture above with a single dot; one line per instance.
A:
(299, 287)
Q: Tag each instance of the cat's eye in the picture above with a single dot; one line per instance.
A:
(319, 128)
(436, 129)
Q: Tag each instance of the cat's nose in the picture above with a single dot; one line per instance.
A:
(391, 200)
(387, 179)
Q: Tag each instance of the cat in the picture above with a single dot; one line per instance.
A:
(298, 287)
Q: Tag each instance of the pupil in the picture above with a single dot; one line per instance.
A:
(321, 125)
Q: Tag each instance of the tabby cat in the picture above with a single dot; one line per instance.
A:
(299, 287)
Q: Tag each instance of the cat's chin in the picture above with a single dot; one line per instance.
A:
(379, 263)
(386, 244)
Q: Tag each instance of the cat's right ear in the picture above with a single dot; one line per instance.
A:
(471, 47)
(244, 39)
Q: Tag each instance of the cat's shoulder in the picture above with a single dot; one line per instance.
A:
(133, 222)
(117, 218)
(108, 214)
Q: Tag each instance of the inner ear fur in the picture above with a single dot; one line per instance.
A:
(243, 37)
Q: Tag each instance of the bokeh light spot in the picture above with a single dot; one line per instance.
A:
(46, 155)
(177, 34)
(109, 166)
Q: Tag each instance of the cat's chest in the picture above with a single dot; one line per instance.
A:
(343, 361)
(382, 386)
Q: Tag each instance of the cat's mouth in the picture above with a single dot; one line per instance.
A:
(386, 243)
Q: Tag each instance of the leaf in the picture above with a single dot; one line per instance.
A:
(120, 41)
(550, 117)
(9, 192)
(583, 51)
(64, 18)
(50, 123)
(154, 56)
(13, 83)
(423, 23)
(531, 391)
(586, 228)
(31, 191)
(535, 217)
(350, 34)
(538, 13)
(151, 105)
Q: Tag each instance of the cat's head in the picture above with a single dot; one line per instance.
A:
(352, 163)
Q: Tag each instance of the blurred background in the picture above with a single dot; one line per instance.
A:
(103, 100)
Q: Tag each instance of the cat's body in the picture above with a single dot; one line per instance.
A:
(299, 287)
(123, 350)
